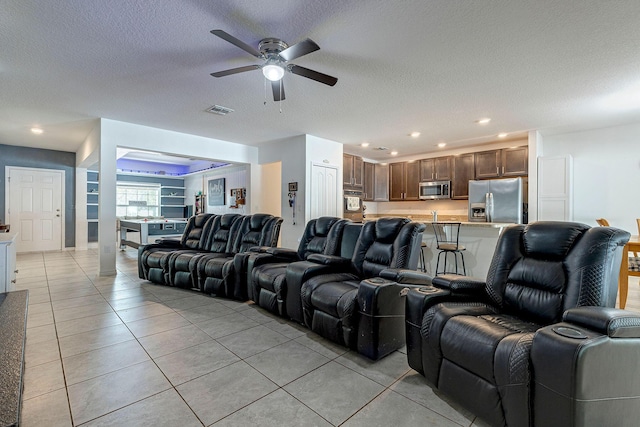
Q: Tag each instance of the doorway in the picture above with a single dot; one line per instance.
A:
(324, 191)
(34, 201)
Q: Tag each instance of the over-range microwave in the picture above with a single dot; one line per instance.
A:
(430, 190)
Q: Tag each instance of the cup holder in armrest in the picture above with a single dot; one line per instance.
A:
(428, 289)
(568, 332)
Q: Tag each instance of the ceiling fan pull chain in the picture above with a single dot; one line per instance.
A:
(280, 95)
(265, 91)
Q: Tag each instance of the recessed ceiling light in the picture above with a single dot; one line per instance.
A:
(414, 134)
(442, 144)
(483, 121)
(364, 144)
(37, 131)
(394, 153)
(502, 135)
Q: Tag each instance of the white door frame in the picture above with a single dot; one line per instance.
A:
(7, 195)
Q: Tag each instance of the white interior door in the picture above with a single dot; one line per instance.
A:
(34, 208)
(324, 192)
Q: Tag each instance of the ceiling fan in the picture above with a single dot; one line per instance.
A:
(276, 55)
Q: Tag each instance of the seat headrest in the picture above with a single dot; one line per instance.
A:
(227, 220)
(258, 221)
(200, 220)
(387, 229)
(536, 238)
(324, 224)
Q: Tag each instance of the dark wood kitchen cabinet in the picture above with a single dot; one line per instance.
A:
(404, 181)
(436, 169)
(515, 161)
(381, 182)
(488, 164)
(352, 172)
(463, 172)
(502, 163)
(368, 182)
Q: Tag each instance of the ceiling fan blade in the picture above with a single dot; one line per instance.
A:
(239, 43)
(313, 75)
(235, 71)
(278, 90)
(299, 49)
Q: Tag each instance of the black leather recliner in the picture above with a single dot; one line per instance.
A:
(265, 272)
(331, 300)
(215, 272)
(535, 343)
(153, 258)
(220, 241)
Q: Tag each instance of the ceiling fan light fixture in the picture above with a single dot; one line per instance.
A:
(273, 72)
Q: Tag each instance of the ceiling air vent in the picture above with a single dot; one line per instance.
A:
(382, 148)
(219, 110)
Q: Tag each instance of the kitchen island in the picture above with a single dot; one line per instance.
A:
(478, 238)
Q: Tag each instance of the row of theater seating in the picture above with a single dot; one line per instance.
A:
(204, 257)
(538, 343)
(332, 283)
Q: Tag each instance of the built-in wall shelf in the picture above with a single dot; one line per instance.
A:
(93, 184)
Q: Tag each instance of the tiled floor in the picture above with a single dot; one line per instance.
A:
(121, 351)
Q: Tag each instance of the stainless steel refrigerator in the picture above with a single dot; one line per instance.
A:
(496, 200)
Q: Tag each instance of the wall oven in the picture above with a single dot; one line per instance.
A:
(353, 208)
(435, 190)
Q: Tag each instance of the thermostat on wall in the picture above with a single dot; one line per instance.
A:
(293, 186)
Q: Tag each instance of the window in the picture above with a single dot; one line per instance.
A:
(137, 199)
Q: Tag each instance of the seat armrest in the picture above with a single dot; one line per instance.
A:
(259, 249)
(459, 284)
(381, 312)
(163, 243)
(405, 276)
(420, 299)
(284, 254)
(612, 322)
(333, 260)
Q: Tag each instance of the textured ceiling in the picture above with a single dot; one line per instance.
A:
(428, 66)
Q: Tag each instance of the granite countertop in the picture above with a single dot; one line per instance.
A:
(428, 219)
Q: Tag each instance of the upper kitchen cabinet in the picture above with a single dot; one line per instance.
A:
(502, 163)
(515, 161)
(404, 181)
(463, 172)
(352, 172)
(488, 164)
(437, 169)
(380, 182)
(369, 188)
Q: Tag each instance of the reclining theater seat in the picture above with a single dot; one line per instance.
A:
(265, 272)
(219, 240)
(216, 274)
(330, 300)
(153, 259)
(497, 347)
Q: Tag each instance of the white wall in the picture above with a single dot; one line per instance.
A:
(235, 177)
(291, 152)
(606, 172)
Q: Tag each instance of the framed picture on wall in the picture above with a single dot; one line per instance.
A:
(216, 192)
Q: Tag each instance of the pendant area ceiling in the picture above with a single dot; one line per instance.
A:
(429, 66)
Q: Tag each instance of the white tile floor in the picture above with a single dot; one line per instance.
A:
(122, 351)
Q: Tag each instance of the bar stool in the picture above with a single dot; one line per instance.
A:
(447, 242)
(423, 266)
